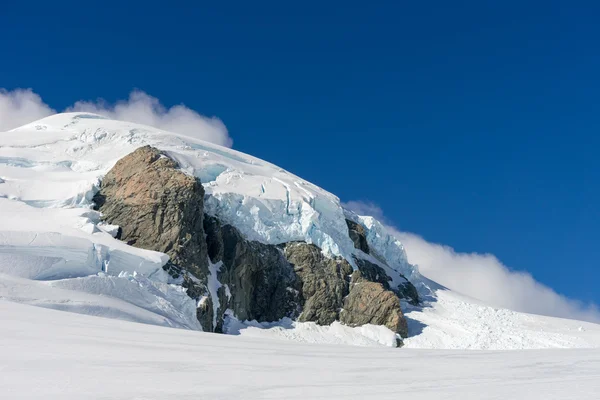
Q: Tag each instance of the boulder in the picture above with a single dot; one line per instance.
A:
(157, 207)
(323, 281)
(358, 235)
(370, 303)
(373, 272)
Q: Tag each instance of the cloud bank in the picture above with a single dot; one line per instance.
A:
(481, 276)
(21, 106)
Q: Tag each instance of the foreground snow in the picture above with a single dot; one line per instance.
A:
(48, 354)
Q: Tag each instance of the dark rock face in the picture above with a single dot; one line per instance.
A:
(373, 272)
(160, 208)
(323, 281)
(214, 238)
(409, 292)
(157, 207)
(261, 282)
(369, 303)
(358, 235)
(205, 314)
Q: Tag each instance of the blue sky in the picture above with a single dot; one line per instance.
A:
(473, 124)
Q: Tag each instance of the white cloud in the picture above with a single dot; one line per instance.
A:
(365, 208)
(21, 106)
(144, 109)
(482, 276)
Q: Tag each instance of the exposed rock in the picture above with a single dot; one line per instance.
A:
(358, 235)
(261, 282)
(157, 206)
(369, 303)
(408, 292)
(205, 314)
(324, 281)
(373, 272)
(214, 239)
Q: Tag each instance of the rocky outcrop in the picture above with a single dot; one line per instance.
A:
(358, 235)
(373, 272)
(159, 207)
(257, 282)
(370, 303)
(408, 292)
(323, 282)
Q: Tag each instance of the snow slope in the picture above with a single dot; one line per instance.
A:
(55, 253)
(454, 321)
(53, 355)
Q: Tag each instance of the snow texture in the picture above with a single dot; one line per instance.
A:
(54, 355)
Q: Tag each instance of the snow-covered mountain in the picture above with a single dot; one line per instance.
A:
(57, 252)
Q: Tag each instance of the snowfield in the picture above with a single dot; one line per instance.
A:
(48, 354)
(56, 254)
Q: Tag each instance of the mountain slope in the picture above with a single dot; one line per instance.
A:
(51, 241)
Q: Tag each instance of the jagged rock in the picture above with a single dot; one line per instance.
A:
(261, 282)
(214, 238)
(373, 272)
(358, 235)
(205, 314)
(324, 281)
(408, 292)
(157, 207)
(369, 303)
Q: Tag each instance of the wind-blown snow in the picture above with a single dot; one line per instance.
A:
(55, 253)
